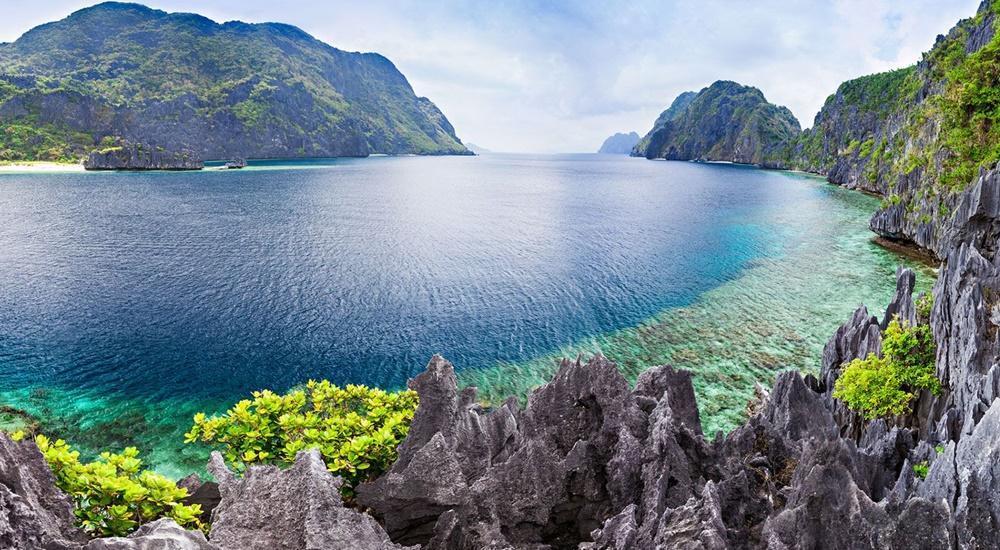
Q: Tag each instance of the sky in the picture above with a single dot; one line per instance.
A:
(562, 75)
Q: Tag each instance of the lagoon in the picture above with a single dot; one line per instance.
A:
(130, 301)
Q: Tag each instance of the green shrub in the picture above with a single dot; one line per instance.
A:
(113, 495)
(356, 428)
(885, 386)
(924, 303)
(921, 469)
(891, 200)
(866, 148)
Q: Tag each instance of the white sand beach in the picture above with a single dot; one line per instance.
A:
(23, 167)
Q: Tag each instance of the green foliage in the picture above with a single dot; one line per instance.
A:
(27, 139)
(921, 469)
(891, 200)
(113, 495)
(914, 161)
(356, 428)
(881, 93)
(865, 150)
(939, 449)
(885, 386)
(970, 106)
(924, 303)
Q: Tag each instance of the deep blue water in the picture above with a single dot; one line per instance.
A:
(218, 283)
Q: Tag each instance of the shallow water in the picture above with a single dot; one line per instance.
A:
(130, 301)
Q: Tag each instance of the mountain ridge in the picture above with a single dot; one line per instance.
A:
(225, 90)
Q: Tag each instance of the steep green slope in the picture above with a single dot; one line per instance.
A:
(852, 133)
(725, 121)
(224, 90)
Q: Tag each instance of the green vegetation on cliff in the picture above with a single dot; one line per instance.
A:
(919, 136)
(355, 428)
(848, 128)
(886, 385)
(223, 90)
(113, 495)
(970, 106)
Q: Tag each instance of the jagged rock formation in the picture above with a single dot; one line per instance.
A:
(723, 122)
(33, 513)
(137, 157)
(591, 463)
(619, 144)
(297, 508)
(162, 534)
(802, 473)
(223, 91)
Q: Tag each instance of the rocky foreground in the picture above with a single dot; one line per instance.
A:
(592, 463)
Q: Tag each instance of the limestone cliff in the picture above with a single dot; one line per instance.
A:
(923, 137)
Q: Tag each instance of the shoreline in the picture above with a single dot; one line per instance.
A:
(43, 167)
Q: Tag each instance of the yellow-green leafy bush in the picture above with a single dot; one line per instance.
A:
(925, 304)
(113, 495)
(355, 428)
(885, 386)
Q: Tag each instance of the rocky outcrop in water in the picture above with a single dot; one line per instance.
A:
(723, 122)
(138, 157)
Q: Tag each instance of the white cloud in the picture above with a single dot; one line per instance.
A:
(561, 76)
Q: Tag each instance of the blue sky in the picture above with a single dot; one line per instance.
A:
(560, 76)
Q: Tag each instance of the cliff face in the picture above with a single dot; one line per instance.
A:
(619, 144)
(142, 157)
(857, 129)
(724, 122)
(232, 90)
(924, 137)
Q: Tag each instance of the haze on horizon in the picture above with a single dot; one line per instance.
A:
(562, 76)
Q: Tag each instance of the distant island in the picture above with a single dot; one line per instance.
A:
(619, 144)
(181, 81)
(477, 149)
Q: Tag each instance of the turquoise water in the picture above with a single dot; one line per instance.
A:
(131, 301)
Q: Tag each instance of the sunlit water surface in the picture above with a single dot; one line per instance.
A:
(130, 301)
